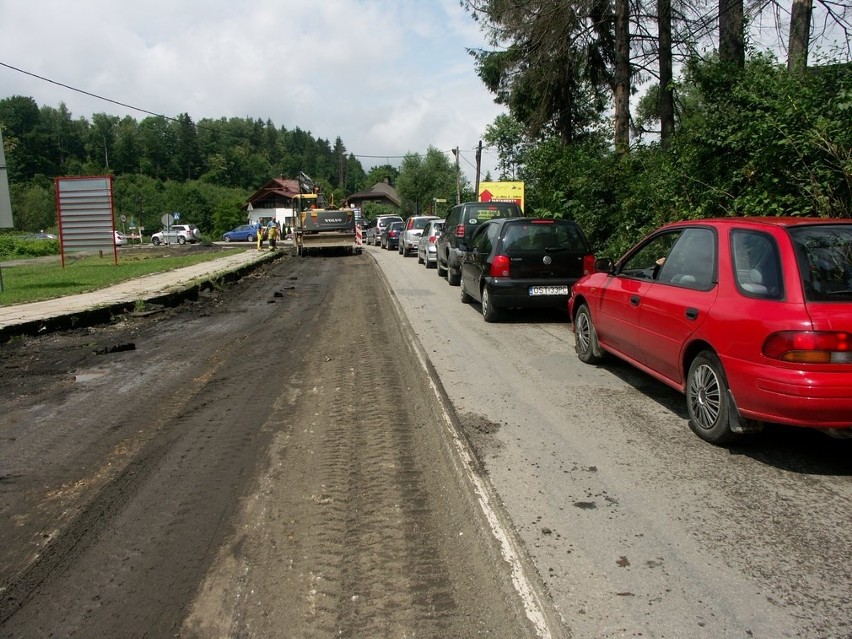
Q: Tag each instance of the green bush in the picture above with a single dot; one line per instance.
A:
(12, 247)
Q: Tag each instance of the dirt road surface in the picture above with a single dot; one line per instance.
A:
(268, 461)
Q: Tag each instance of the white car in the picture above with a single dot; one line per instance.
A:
(177, 234)
(410, 236)
(120, 238)
(427, 251)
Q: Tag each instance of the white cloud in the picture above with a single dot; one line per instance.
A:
(388, 77)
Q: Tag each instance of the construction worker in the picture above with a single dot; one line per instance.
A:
(272, 231)
(261, 234)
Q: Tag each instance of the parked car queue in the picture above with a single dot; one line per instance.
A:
(749, 318)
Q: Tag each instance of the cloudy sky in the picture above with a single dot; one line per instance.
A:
(389, 77)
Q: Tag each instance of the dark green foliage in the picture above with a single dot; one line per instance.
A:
(767, 142)
(213, 208)
(372, 210)
(381, 173)
(554, 72)
(12, 246)
(33, 203)
(424, 178)
(757, 142)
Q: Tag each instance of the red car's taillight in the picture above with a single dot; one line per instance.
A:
(588, 264)
(460, 230)
(500, 266)
(810, 347)
(433, 239)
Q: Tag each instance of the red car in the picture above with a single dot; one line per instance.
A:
(751, 318)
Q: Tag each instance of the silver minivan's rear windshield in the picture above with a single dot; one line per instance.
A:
(824, 253)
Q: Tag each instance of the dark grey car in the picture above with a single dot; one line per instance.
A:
(524, 263)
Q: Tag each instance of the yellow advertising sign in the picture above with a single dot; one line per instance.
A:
(502, 192)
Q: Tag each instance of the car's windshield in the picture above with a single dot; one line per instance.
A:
(824, 253)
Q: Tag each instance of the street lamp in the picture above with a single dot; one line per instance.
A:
(435, 202)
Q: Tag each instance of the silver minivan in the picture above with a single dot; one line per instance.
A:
(410, 236)
(374, 233)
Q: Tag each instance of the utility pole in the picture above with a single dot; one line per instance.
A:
(458, 181)
(478, 169)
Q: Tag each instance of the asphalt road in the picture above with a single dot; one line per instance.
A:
(637, 527)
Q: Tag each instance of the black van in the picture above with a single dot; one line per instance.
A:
(460, 224)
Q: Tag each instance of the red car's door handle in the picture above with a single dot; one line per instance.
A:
(634, 300)
(691, 313)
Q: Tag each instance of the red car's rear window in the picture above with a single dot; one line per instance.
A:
(824, 253)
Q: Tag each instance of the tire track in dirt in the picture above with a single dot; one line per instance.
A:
(357, 528)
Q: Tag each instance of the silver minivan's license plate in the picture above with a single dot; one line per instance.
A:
(548, 290)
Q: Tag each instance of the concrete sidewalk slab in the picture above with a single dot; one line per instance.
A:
(77, 309)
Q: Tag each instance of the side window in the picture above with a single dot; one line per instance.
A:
(453, 216)
(691, 263)
(645, 263)
(757, 265)
(493, 235)
(482, 239)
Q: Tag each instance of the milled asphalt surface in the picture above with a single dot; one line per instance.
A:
(98, 306)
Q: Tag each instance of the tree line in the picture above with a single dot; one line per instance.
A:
(204, 170)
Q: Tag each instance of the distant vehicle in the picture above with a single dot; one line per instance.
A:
(374, 233)
(177, 234)
(390, 236)
(120, 238)
(750, 318)
(243, 233)
(38, 236)
(410, 236)
(523, 263)
(427, 251)
(462, 220)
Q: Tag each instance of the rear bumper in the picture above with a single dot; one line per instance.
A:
(516, 293)
(326, 240)
(812, 399)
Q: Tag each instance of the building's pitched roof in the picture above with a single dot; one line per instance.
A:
(381, 191)
(276, 186)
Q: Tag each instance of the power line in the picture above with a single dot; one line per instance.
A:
(94, 95)
(160, 115)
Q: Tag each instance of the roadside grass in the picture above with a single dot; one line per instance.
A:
(36, 281)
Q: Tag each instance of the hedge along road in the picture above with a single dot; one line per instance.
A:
(244, 465)
(637, 527)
